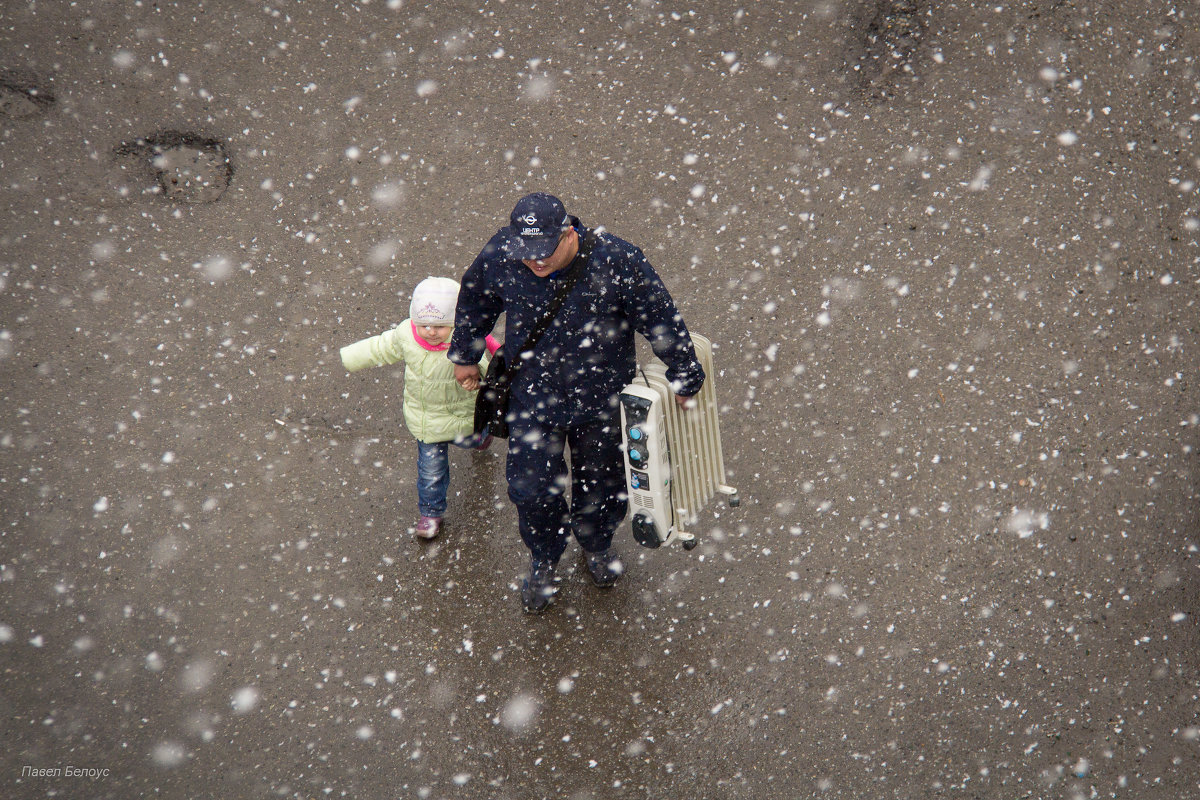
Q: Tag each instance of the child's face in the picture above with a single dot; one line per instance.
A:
(435, 334)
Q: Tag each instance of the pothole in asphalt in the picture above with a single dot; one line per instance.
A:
(889, 34)
(185, 167)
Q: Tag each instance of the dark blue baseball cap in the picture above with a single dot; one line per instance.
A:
(536, 223)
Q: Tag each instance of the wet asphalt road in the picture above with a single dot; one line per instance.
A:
(949, 253)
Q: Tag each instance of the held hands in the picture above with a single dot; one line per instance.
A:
(468, 377)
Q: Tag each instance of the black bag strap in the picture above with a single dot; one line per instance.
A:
(560, 297)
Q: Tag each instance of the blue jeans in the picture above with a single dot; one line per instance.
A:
(433, 473)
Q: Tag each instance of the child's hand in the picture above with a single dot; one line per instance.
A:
(468, 377)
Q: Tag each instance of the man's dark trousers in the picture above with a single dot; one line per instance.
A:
(537, 484)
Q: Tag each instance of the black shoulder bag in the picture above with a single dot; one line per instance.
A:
(491, 404)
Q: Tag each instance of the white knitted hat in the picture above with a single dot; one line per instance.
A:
(433, 302)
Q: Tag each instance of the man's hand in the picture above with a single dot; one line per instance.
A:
(685, 403)
(468, 376)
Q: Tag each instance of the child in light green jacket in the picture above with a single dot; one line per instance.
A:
(437, 410)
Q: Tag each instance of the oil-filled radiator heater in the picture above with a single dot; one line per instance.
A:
(673, 459)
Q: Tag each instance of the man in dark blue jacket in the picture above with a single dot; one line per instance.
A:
(566, 391)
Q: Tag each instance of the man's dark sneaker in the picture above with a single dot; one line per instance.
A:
(539, 588)
(605, 568)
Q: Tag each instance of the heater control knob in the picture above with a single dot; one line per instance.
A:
(635, 455)
(636, 434)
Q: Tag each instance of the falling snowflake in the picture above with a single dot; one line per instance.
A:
(244, 699)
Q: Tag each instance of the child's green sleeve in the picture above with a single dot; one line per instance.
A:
(374, 351)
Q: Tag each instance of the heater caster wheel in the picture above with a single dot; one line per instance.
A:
(735, 501)
(690, 544)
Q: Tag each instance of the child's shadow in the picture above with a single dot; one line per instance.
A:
(481, 491)
(482, 521)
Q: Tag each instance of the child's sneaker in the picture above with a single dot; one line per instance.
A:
(429, 527)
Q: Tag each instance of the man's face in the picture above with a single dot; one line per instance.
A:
(563, 254)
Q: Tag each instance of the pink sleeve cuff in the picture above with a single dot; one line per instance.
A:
(492, 344)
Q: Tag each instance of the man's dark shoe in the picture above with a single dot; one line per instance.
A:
(605, 568)
(539, 588)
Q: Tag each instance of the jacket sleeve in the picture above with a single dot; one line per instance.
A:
(654, 315)
(374, 351)
(479, 306)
